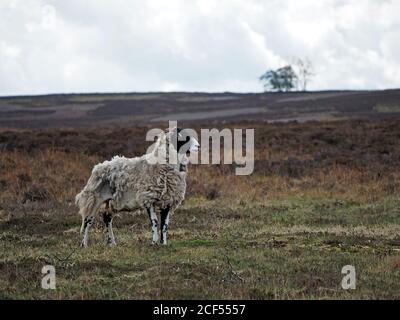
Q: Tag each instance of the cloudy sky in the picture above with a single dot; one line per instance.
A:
(49, 46)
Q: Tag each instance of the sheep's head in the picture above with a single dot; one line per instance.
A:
(175, 146)
(183, 140)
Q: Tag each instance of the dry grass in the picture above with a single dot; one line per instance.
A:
(322, 196)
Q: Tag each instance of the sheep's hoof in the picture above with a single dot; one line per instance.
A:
(111, 243)
(154, 243)
(83, 244)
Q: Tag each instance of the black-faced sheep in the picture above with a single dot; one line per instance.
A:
(151, 182)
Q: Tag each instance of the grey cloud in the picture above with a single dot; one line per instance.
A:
(97, 45)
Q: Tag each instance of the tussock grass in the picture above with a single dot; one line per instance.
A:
(284, 232)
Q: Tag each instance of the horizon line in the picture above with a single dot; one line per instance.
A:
(99, 93)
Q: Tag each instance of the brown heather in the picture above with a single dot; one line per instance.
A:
(322, 195)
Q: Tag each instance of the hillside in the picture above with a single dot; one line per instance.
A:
(77, 110)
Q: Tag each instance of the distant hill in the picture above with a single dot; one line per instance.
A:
(77, 110)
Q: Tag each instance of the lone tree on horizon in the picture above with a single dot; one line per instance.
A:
(282, 80)
(304, 70)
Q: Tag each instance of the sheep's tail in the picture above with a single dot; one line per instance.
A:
(86, 199)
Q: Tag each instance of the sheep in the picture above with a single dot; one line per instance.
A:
(146, 183)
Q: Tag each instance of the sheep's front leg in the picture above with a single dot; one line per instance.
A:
(154, 224)
(164, 225)
(107, 219)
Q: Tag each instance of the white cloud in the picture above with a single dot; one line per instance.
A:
(222, 45)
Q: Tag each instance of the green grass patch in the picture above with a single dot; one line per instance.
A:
(289, 249)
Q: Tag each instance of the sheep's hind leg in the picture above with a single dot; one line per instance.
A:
(154, 224)
(107, 219)
(88, 221)
(165, 213)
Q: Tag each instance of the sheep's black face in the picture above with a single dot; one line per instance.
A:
(183, 142)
